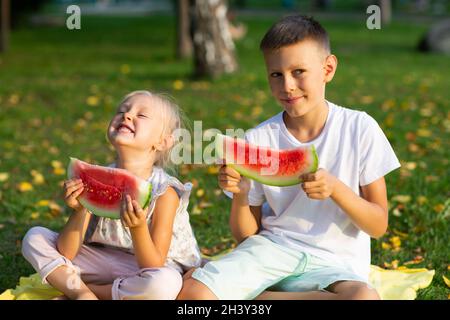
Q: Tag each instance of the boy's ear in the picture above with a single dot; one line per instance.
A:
(330, 67)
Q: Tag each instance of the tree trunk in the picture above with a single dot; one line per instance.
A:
(4, 25)
(184, 38)
(386, 11)
(214, 52)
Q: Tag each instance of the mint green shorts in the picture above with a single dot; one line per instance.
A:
(259, 264)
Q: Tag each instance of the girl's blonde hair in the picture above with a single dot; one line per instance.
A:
(174, 121)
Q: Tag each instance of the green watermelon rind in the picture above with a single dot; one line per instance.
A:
(145, 196)
(268, 180)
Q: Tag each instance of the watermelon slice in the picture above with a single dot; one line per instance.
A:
(104, 188)
(265, 165)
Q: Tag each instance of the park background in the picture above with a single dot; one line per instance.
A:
(60, 87)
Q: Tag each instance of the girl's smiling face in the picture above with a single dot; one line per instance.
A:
(138, 123)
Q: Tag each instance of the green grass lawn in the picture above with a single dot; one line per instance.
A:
(59, 88)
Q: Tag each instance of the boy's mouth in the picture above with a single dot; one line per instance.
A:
(292, 100)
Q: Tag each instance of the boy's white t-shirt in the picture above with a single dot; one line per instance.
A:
(353, 148)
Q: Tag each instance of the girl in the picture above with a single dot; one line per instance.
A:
(144, 254)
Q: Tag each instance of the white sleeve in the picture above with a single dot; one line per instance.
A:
(377, 158)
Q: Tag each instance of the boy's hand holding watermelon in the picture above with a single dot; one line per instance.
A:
(230, 180)
(318, 185)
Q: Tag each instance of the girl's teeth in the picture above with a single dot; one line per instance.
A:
(124, 129)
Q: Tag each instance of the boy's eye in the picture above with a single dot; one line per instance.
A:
(275, 74)
(142, 115)
(298, 72)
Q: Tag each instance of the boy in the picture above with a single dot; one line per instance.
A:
(310, 241)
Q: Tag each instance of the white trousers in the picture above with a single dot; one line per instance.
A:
(102, 265)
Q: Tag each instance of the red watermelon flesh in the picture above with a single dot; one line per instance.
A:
(266, 165)
(105, 187)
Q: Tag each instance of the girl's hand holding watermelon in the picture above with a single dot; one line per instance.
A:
(72, 189)
(132, 215)
(230, 180)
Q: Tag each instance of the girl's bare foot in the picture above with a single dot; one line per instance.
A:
(62, 297)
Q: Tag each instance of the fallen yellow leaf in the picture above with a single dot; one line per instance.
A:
(196, 210)
(424, 133)
(24, 186)
(421, 200)
(92, 101)
(56, 164)
(401, 198)
(4, 176)
(400, 234)
(256, 111)
(34, 215)
(447, 282)
(38, 178)
(411, 165)
(395, 242)
(43, 203)
(178, 85)
(385, 246)
(55, 209)
(213, 169)
(438, 208)
(59, 171)
(200, 193)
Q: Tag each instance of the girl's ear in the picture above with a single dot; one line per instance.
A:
(166, 143)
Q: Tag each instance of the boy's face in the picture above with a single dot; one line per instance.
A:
(138, 123)
(297, 76)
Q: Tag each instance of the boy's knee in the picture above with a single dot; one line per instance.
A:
(363, 292)
(195, 290)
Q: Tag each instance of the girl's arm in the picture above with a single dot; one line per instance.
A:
(72, 236)
(151, 243)
(368, 212)
(245, 220)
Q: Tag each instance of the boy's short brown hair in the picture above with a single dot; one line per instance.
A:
(292, 29)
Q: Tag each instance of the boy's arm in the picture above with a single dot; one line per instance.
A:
(368, 212)
(245, 220)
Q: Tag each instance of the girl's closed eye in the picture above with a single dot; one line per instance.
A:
(141, 115)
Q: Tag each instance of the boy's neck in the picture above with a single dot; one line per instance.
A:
(309, 126)
(140, 167)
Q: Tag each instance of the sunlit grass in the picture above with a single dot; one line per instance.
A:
(58, 90)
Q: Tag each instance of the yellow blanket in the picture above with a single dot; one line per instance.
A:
(390, 284)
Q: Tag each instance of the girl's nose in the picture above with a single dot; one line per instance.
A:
(127, 116)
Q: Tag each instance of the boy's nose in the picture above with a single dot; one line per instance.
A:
(288, 84)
